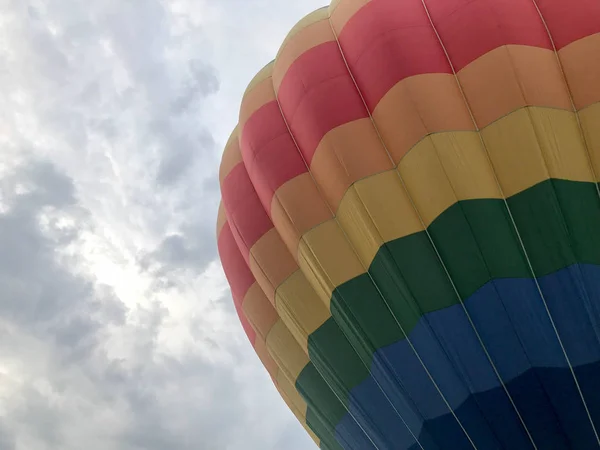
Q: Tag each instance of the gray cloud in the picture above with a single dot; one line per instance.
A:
(54, 322)
(116, 330)
(7, 437)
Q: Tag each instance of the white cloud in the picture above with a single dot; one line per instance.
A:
(116, 327)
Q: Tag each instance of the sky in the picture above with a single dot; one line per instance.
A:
(117, 328)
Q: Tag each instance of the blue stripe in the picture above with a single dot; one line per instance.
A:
(513, 324)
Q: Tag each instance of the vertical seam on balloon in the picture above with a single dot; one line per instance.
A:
(527, 109)
(566, 82)
(571, 99)
(334, 217)
(494, 287)
(396, 380)
(308, 246)
(395, 169)
(449, 277)
(555, 196)
(326, 382)
(512, 218)
(452, 412)
(322, 417)
(495, 369)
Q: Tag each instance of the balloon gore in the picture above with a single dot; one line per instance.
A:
(410, 223)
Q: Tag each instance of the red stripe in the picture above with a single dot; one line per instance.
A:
(388, 41)
(245, 212)
(269, 152)
(238, 275)
(570, 20)
(317, 95)
(264, 125)
(472, 28)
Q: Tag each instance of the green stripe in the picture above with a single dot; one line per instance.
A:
(327, 445)
(558, 221)
(324, 409)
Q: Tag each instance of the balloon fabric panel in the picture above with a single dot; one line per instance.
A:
(410, 223)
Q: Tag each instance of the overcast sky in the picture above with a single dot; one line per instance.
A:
(117, 329)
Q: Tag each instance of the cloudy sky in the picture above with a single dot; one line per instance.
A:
(117, 329)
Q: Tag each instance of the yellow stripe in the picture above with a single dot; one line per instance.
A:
(300, 308)
(292, 394)
(260, 347)
(533, 144)
(526, 147)
(440, 170)
(370, 218)
(302, 420)
(286, 352)
(327, 259)
(590, 120)
(444, 168)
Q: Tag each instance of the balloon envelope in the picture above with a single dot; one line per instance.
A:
(410, 223)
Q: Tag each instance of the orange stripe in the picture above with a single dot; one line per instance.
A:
(231, 155)
(221, 218)
(347, 153)
(581, 63)
(511, 77)
(296, 208)
(260, 347)
(259, 311)
(271, 262)
(424, 104)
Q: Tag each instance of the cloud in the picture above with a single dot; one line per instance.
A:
(117, 330)
(90, 372)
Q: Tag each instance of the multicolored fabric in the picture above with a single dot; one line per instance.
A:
(410, 223)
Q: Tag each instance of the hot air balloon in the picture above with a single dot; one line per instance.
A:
(410, 223)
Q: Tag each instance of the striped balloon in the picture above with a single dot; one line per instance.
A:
(410, 223)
